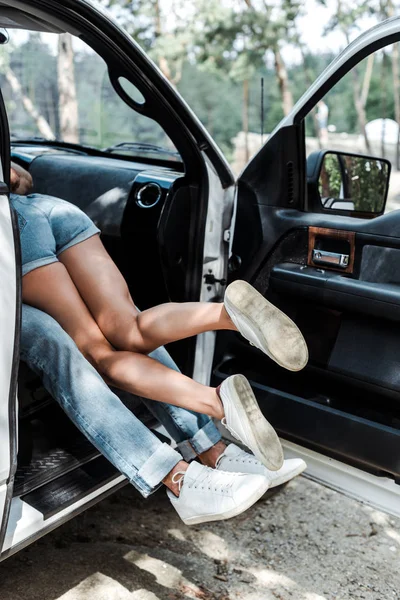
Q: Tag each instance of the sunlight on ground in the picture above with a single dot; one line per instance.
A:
(378, 517)
(143, 594)
(212, 545)
(385, 521)
(176, 534)
(101, 587)
(165, 574)
(281, 583)
(393, 535)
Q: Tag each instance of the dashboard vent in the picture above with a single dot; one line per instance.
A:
(148, 195)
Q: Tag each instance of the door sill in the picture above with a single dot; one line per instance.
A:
(381, 493)
(26, 524)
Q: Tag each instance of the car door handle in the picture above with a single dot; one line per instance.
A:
(333, 259)
(331, 249)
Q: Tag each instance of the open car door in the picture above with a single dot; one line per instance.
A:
(336, 272)
(10, 306)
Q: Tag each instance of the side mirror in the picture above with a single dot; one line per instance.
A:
(348, 184)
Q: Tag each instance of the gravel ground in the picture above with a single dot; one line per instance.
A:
(306, 542)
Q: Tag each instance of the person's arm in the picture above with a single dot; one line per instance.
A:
(21, 181)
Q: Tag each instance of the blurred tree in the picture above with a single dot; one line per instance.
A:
(148, 23)
(356, 179)
(386, 10)
(215, 53)
(240, 39)
(22, 84)
(41, 123)
(346, 19)
(68, 103)
(309, 76)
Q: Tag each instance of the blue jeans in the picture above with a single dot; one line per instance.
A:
(98, 412)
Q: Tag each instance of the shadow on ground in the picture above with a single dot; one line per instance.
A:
(304, 543)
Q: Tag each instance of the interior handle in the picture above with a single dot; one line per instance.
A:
(332, 248)
(332, 259)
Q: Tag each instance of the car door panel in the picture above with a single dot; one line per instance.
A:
(314, 424)
(351, 324)
(9, 356)
(370, 298)
(346, 403)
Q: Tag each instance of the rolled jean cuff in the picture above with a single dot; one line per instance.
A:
(150, 475)
(204, 439)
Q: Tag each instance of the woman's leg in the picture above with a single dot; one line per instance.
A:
(93, 407)
(106, 294)
(51, 289)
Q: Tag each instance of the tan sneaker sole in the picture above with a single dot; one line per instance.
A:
(265, 326)
(261, 437)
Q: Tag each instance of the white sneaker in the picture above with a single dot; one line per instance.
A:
(236, 460)
(210, 495)
(265, 326)
(245, 421)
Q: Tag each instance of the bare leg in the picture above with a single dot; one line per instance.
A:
(106, 294)
(51, 289)
(169, 479)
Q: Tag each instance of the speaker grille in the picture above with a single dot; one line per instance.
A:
(290, 182)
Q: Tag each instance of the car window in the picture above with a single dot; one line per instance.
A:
(58, 87)
(360, 115)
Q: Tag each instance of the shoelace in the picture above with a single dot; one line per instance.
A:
(214, 480)
(218, 461)
(242, 459)
(209, 479)
(179, 481)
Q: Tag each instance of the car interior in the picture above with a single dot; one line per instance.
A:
(127, 200)
(147, 201)
(345, 404)
(337, 276)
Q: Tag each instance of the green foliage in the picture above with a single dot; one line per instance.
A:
(210, 47)
(237, 40)
(104, 118)
(330, 181)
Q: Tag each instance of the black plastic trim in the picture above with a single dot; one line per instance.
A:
(90, 151)
(351, 439)
(376, 299)
(52, 465)
(72, 487)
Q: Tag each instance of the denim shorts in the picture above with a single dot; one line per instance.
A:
(47, 227)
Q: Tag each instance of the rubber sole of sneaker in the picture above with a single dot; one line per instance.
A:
(288, 476)
(264, 442)
(278, 336)
(234, 512)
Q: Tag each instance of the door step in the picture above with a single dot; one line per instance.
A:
(72, 487)
(50, 464)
